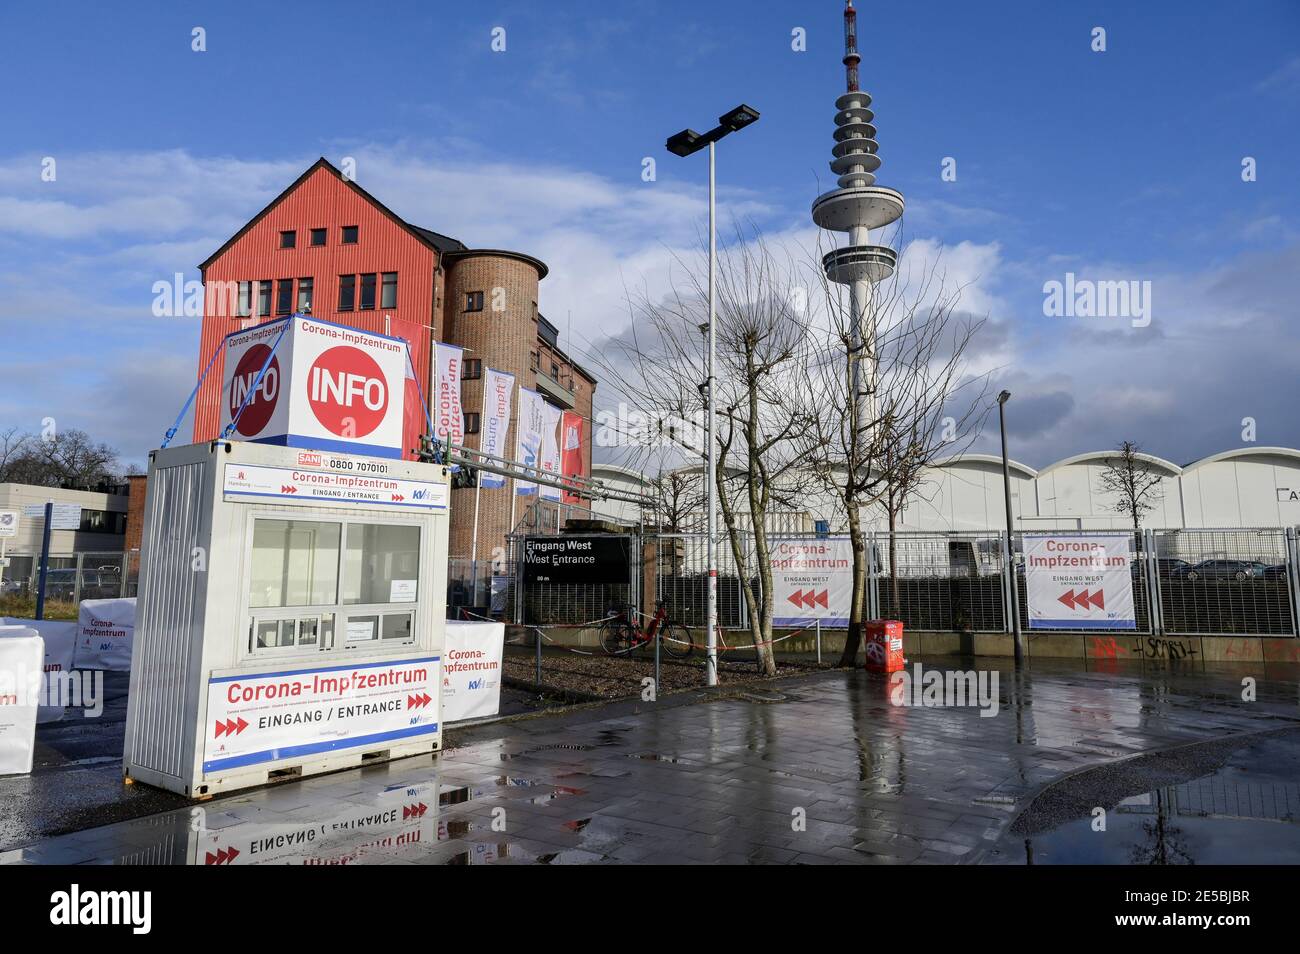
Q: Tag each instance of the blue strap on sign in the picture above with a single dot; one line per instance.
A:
(171, 431)
(257, 382)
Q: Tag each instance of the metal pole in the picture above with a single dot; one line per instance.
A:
(711, 638)
(1011, 547)
(45, 560)
(537, 676)
(473, 547)
(819, 642)
(659, 638)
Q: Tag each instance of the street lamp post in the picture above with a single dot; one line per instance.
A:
(1003, 397)
(685, 143)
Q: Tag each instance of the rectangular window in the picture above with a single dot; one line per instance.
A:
(295, 563)
(264, 297)
(381, 563)
(310, 578)
(471, 422)
(474, 301)
(472, 369)
(284, 296)
(347, 292)
(245, 299)
(367, 302)
(388, 290)
(318, 236)
(349, 235)
(288, 239)
(304, 295)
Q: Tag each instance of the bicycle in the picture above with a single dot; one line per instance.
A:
(623, 633)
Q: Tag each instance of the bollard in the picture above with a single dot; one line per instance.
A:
(537, 675)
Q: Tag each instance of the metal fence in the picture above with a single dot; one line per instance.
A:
(1237, 581)
(74, 577)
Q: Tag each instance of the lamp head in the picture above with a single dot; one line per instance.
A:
(1004, 397)
(738, 118)
(684, 143)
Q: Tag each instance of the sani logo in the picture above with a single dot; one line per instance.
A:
(347, 392)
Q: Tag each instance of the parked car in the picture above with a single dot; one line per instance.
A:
(1238, 570)
(1275, 572)
(1165, 567)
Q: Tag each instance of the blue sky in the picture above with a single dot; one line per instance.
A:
(1117, 165)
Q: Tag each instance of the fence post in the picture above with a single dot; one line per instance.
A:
(819, 642)
(1293, 577)
(1008, 581)
(76, 578)
(1155, 600)
(659, 639)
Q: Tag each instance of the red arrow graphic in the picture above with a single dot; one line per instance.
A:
(288, 489)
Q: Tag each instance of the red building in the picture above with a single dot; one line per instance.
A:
(328, 247)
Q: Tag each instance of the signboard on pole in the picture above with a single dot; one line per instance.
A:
(324, 387)
(8, 523)
(1079, 581)
(272, 716)
(812, 579)
(498, 392)
(64, 516)
(597, 560)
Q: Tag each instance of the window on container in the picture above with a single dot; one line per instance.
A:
(284, 296)
(472, 369)
(304, 295)
(349, 235)
(471, 422)
(474, 301)
(381, 564)
(245, 299)
(388, 290)
(264, 297)
(367, 302)
(288, 239)
(294, 563)
(347, 292)
(318, 236)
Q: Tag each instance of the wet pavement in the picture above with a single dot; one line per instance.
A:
(812, 769)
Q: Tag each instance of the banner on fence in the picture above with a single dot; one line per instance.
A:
(1079, 581)
(811, 580)
(105, 634)
(585, 560)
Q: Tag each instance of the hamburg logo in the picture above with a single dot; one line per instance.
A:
(262, 404)
(347, 391)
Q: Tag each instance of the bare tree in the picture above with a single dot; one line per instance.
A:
(678, 497)
(1133, 480)
(762, 343)
(66, 458)
(893, 400)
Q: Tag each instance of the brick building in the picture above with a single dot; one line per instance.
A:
(327, 247)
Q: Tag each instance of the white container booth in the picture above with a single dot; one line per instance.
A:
(290, 616)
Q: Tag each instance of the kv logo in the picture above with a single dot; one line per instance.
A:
(262, 404)
(347, 392)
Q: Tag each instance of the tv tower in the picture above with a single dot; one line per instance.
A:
(857, 207)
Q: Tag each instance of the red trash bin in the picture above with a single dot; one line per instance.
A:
(884, 645)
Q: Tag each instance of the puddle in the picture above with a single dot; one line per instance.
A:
(1245, 812)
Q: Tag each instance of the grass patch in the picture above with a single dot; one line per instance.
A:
(25, 607)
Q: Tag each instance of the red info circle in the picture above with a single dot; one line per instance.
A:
(347, 392)
(262, 404)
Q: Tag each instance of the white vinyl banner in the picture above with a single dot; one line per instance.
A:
(271, 716)
(327, 387)
(1078, 581)
(498, 392)
(528, 436)
(60, 638)
(105, 633)
(812, 579)
(21, 658)
(448, 415)
(471, 670)
(551, 417)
